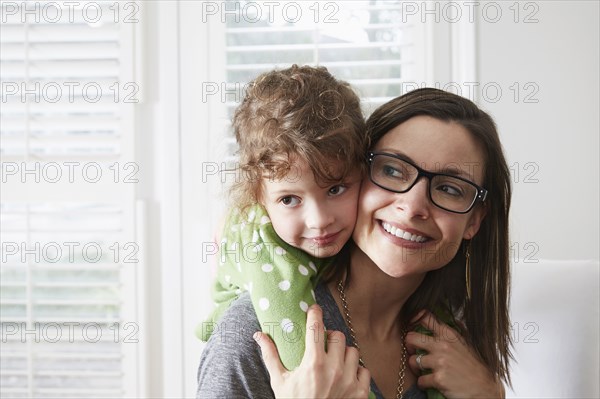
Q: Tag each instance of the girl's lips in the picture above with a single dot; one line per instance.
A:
(326, 239)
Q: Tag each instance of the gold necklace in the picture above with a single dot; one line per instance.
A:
(401, 373)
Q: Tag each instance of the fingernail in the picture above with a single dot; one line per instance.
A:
(418, 316)
(256, 336)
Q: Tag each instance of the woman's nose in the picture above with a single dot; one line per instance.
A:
(415, 202)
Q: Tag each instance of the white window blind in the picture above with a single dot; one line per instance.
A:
(370, 44)
(71, 260)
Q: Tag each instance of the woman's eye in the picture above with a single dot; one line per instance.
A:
(290, 201)
(390, 171)
(337, 190)
(450, 190)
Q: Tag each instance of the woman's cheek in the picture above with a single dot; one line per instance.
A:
(368, 203)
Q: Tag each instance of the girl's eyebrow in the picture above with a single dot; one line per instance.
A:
(280, 192)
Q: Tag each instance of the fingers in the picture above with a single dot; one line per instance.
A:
(270, 355)
(315, 330)
(361, 376)
(425, 361)
(436, 332)
(336, 344)
(430, 322)
(426, 381)
(415, 341)
(364, 378)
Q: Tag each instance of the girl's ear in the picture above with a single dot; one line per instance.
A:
(475, 220)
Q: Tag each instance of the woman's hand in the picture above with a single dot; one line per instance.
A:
(456, 371)
(331, 374)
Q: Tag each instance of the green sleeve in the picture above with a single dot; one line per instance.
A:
(278, 277)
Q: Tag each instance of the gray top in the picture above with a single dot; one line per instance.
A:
(231, 365)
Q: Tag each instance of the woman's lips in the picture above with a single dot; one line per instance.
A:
(412, 240)
(400, 233)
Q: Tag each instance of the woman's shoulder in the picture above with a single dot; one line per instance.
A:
(231, 364)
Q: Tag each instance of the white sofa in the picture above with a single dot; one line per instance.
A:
(555, 318)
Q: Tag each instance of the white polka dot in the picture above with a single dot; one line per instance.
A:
(279, 251)
(265, 220)
(242, 225)
(313, 295)
(257, 248)
(263, 303)
(251, 216)
(267, 268)
(303, 270)
(287, 325)
(312, 266)
(238, 292)
(255, 236)
(228, 278)
(304, 306)
(284, 285)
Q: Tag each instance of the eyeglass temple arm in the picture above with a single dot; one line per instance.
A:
(482, 194)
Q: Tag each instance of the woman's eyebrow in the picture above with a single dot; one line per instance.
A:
(451, 168)
(397, 153)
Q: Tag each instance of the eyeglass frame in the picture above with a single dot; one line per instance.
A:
(481, 192)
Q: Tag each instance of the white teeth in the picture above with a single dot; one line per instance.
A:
(405, 235)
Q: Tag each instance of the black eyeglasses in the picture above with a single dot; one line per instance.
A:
(451, 193)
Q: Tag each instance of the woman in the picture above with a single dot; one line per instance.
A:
(431, 233)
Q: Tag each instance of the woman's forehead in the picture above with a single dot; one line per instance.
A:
(436, 146)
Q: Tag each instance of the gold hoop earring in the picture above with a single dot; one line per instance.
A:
(468, 269)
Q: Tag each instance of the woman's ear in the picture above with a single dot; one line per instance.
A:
(475, 220)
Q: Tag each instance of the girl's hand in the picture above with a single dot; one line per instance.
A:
(331, 374)
(456, 371)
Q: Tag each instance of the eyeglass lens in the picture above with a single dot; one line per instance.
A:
(445, 191)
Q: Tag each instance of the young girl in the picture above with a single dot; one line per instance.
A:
(302, 144)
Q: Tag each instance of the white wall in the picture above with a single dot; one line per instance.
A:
(558, 135)
(555, 222)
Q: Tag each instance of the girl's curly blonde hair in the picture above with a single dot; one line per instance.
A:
(300, 112)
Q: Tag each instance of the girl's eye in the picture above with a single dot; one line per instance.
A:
(337, 190)
(290, 201)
